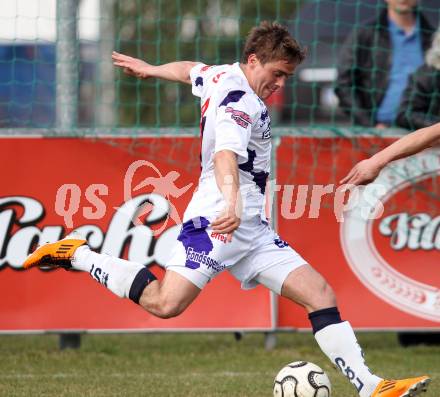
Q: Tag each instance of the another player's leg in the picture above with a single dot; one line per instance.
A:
(337, 340)
(126, 279)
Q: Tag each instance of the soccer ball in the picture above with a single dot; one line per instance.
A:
(301, 379)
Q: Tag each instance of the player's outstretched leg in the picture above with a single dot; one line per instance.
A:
(337, 339)
(124, 278)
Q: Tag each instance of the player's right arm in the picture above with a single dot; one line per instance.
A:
(367, 170)
(174, 71)
(226, 176)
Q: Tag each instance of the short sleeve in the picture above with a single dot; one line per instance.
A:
(196, 74)
(234, 123)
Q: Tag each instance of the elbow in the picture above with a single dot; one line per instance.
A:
(225, 160)
(186, 72)
(185, 78)
(223, 155)
(218, 157)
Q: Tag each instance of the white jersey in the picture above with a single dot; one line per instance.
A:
(233, 118)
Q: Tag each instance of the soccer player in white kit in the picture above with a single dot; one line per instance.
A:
(224, 227)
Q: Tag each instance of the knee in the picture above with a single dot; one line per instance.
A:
(308, 288)
(325, 297)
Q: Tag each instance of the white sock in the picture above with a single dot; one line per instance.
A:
(114, 273)
(340, 345)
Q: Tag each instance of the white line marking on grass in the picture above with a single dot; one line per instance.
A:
(222, 374)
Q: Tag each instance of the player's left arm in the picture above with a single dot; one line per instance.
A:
(226, 176)
(367, 170)
(174, 71)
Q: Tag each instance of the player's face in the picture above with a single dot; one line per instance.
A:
(401, 6)
(270, 77)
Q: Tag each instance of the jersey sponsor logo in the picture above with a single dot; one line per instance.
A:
(219, 236)
(202, 259)
(216, 78)
(395, 255)
(205, 68)
(240, 117)
(195, 239)
(198, 245)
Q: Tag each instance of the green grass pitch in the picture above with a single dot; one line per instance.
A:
(187, 364)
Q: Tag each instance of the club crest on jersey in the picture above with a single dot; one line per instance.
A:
(265, 124)
(241, 118)
(266, 133)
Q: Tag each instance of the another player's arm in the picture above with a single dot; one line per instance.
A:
(174, 71)
(226, 176)
(367, 170)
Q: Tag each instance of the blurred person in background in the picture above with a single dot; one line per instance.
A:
(420, 104)
(376, 60)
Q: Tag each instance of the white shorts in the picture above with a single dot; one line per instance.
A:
(255, 256)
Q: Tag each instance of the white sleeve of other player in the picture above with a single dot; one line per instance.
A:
(233, 125)
(196, 75)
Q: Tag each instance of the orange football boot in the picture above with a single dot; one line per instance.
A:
(402, 388)
(57, 254)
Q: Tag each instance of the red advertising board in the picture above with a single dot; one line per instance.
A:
(383, 266)
(52, 186)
